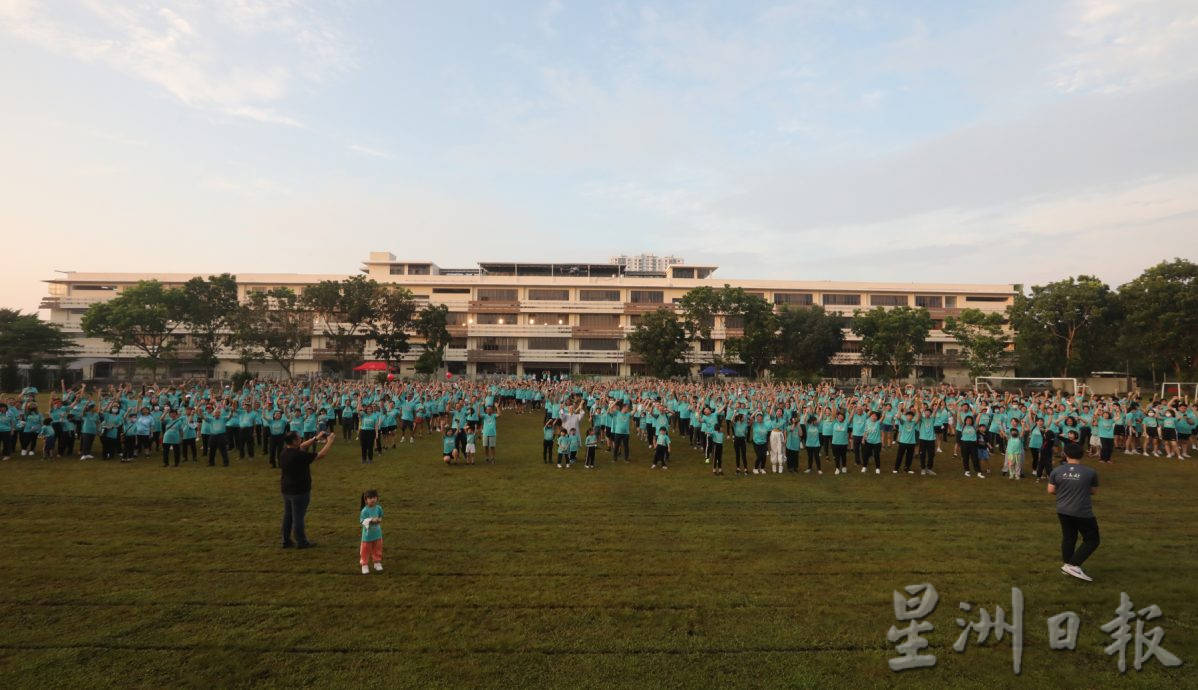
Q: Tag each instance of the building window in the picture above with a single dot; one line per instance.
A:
(495, 319)
(418, 269)
(734, 321)
(457, 318)
(548, 294)
(606, 321)
(497, 295)
(86, 288)
(888, 300)
(397, 269)
(646, 297)
(684, 273)
(599, 295)
(549, 319)
(599, 343)
(497, 344)
(634, 320)
(451, 291)
(842, 300)
(977, 298)
(457, 344)
(929, 301)
(548, 343)
(950, 302)
(707, 345)
(793, 298)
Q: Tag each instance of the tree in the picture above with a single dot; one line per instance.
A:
(1063, 326)
(808, 337)
(892, 338)
(243, 336)
(699, 308)
(758, 345)
(432, 326)
(283, 326)
(660, 339)
(1160, 309)
(981, 338)
(144, 316)
(26, 339)
(344, 309)
(208, 309)
(393, 323)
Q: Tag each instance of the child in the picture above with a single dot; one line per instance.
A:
(983, 451)
(574, 445)
(563, 449)
(547, 434)
(48, 438)
(470, 447)
(591, 443)
(449, 446)
(661, 453)
(372, 534)
(1013, 467)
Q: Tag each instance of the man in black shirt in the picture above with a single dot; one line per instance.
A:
(296, 480)
(1073, 484)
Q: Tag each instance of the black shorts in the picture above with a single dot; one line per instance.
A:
(1169, 434)
(1151, 431)
(387, 430)
(1183, 437)
(405, 425)
(1120, 430)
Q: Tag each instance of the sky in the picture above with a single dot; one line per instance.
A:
(997, 142)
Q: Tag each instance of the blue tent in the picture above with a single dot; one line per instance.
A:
(710, 371)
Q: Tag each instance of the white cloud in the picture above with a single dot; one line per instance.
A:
(548, 14)
(368, 151)
(238, 57)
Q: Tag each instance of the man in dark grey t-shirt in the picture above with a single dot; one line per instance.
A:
(1073, 484)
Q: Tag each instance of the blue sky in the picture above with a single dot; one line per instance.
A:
(924, 141)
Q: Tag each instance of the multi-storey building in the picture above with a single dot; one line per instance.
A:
(518, 318)
(646, 263)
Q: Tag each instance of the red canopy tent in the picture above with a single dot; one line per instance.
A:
(371, 366)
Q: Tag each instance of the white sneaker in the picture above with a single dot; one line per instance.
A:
(378, 566)
(864, 469)
(894, 471)
(807, 471)
(967, 474)
(910, 471)
(837, 471)
(1076, 572)
(365, 570)
(981, 476)
(821, 471)
(932, 472)
(878, 470)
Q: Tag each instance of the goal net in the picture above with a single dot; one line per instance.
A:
(1029, 385)
(1179, 389)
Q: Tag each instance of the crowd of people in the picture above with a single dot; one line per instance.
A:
(772, 428)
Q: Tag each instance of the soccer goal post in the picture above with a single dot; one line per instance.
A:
(1179, 388)
(1028, 384)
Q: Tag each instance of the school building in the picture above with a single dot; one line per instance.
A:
(558, 318)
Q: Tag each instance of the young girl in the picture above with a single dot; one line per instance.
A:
(449, 446)
(48, 438)
(471, 448)
(372, 534)
(563, 449)
(591, 443)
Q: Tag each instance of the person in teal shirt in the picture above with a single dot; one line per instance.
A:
(371, 518)
(48, 436)
(794, 443)
(661, 451)
(872, 440)
(812, 443)
(490, 419)
(368, 422)
(908, 430)
(840, 443)
(172, 436)
(717, 450)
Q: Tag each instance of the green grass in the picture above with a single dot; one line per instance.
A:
(521, 575)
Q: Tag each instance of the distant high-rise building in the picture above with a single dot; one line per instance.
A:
(646, 263)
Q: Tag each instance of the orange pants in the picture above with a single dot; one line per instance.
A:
(371, 549)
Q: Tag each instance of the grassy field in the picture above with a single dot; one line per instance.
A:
(521, 575)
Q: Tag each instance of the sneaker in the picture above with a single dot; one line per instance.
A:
(807, 471)
(837, 471)
(981, 476)
(820, 471)
(894, 471)
(923, 473)
(910, 471)
(864, 469)
(878, 470)
(1077, 572)
(932, 472)
(378, 566)
(967, 474)
(365, 570)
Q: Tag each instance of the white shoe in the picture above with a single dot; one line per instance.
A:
(837, 471)
(864, 469)
(1076, 572)
(967, 474)
(894, 471)
(365, 570)
(910, 471)
(807, 471)
(821, 471)
(878, 470)
(378, 566)
(981, 476)
(932, 472)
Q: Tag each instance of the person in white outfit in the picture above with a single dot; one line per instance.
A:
(777, 451)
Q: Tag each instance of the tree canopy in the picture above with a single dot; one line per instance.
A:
(891, 338)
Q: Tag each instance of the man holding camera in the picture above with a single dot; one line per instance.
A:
(295, 463)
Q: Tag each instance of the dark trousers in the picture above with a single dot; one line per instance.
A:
(969, 451)
(717, 459)
(366, 441)
(841, 454)
(742, 457)
(927, 454)
(85, 444)
(218, 443)
(873, 450)
(1043, 466)
(1070, 527)
(295, 506)
(66, 443)
(245, 441)
(5, 443)
(130, 449)
(621, 442)
(276, 448)
(906, 451)
(590, 462)
(110, 447)
(858, 441)
(759, 453)
(166, 451)
(189, 446)
(813, 455)
(546, 451)
(792, 460)
(1108, 447)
